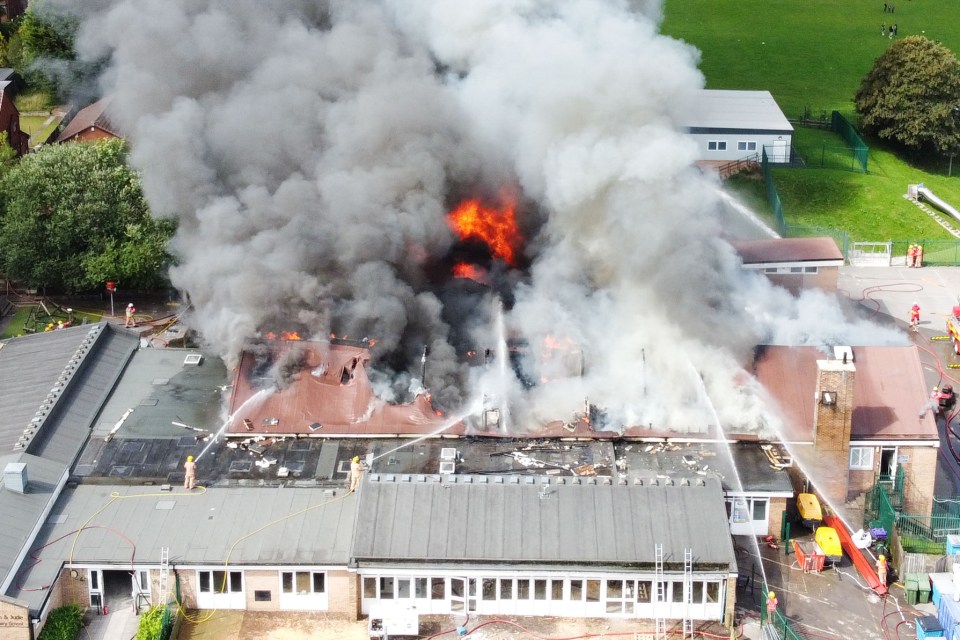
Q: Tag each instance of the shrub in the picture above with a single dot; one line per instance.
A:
(63, 623)
(151, 624)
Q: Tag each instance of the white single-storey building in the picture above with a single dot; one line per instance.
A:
(735, 125)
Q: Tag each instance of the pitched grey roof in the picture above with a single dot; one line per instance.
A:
(495, 520)
(51, 388)
(245, 526)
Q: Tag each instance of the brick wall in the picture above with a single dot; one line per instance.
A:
(343, 593)
(262, 581)
(861, 481)
(831, 428)
(188, 587)
(919, 472)
(14, 619)
(731, 603)
(777, 507)
(825, 279)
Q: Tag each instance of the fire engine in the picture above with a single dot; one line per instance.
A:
(953, 329)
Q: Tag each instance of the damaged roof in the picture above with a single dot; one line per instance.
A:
(888, 392)
(92, 116)
(237, 526)
(495, 520)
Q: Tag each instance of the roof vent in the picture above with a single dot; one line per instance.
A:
(448, 467)
(15, 477)
(843, 353)
(193, 359)
(638, 481)
(448, 453)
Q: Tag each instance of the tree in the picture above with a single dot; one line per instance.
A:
(910, 94)
(74, 215)
(43, 51)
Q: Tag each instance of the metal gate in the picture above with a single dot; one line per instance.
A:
(870, 254)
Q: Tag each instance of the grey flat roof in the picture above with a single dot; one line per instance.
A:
(496, 520)
(299, 527)
(737, 110)
(161, 389)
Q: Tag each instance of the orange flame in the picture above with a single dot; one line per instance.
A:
(290, 335)
(552, 342)
(270, 335)
(470, 272)
(496, 227)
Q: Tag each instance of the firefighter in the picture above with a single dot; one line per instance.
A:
(882, 569)
(130, 321)
(918, 260)
(190, 475)
(912, 255)
(771, 607)
(915, 317)
(356, 472)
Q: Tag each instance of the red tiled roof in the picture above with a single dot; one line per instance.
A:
(788, 250)
(889, 391)
(93, 115)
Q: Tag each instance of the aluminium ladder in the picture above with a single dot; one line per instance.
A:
(660, 605)
(687, 593)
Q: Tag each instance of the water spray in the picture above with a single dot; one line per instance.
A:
(470, 409)
(258, 397)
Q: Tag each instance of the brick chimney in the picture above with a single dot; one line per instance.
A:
(832, 421)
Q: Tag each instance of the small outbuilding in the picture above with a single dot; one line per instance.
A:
(738, 125)
(794, 263)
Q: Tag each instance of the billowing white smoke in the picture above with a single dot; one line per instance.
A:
(309, 151)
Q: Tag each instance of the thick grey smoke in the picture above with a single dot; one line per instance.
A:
(310, 150)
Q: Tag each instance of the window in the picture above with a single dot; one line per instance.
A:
(403, 587)
(717, 145)
(523, 589)
(488, 589)
(506, 588)
(796, 269)
(539, 589)
(593, 591)
(221, 581)
(713, 591)
(759, 509)
(576, 590)
(644, 589)
(811, 269)
(677, 595)
(861, 458)
(438, 589)
(746, 146)
(369, 587)
(263, 596)
(614, 588)
(303, 582)
(696, 595)
(386, 588)
(420, 585)
(94, 580)
(556, 590)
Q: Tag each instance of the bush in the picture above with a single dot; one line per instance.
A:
(151, 624)
(63, 623)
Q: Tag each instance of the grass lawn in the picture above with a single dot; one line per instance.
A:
(34, 101)
(812, 56)
(32, 124)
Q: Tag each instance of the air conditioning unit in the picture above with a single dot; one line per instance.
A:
(448, 467)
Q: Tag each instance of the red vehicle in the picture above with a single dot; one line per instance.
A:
(953, 329)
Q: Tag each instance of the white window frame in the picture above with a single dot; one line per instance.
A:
(211, 598)
(859, 461)
(309, 600)
(746, 145)
(716, 145)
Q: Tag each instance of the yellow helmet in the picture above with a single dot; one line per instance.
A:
(883, 557)
(356, 458)
(771, 595)
(189, 458)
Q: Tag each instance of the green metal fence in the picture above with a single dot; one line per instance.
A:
(923, 533)
(780, 623)
(773, 198)
(860, 150)
(936, 253)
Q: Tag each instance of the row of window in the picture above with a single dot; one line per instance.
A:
(721, 145)
(298, 582)
(791, 269)
(567, 589)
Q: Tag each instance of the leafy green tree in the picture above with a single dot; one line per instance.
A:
(910, 95)
(74, 216)
(44, 48)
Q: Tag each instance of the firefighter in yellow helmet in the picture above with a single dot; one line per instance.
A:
(356, 472)
(771, 607)
(882, 569)
(190, 475)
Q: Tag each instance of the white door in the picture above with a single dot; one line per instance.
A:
(780, 150)
(95, 586)
(141, 589)
(457, 595)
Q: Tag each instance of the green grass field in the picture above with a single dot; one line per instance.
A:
(812, 56)
(15, 324)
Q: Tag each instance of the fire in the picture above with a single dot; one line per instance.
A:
(552, 342)
(470, 272)
(496, 227)
(290, 335)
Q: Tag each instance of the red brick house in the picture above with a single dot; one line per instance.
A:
(90, 124)
(10, 120)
